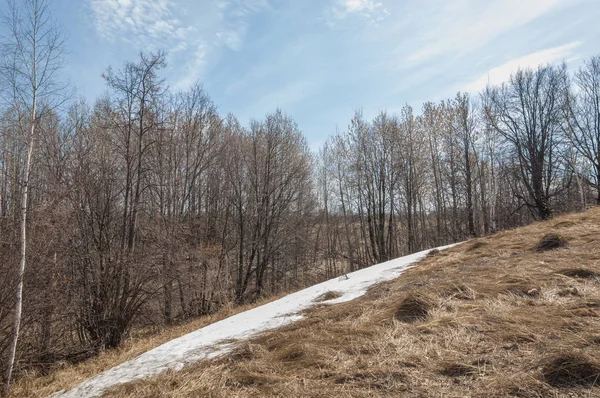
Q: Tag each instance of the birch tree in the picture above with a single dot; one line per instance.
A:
(33, 58)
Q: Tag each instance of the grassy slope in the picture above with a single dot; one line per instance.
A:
(504, 320)
(499, 319)
(66, 376)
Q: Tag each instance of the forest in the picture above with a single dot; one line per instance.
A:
(149, 207)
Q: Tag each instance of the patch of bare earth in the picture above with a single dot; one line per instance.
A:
(507, 315)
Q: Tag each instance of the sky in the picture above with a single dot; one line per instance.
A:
(320, 60)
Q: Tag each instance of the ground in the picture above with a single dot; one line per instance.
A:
(495, 317)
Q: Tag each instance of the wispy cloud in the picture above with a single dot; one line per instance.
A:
(502, 73)
(137, 21)
(370, 9)
(192, 70)
(191, 31)
(462, 26)
(319, 59)
(234, 16)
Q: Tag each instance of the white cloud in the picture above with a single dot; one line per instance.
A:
(169, 25)
(136, 21)
(359, 5)
(462, 26)
(234, 16)
(192, 71)
(370, 9)
(502, 73)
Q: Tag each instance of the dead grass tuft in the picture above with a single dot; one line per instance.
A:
(291, 353)
(246, 378)
(328, 296)
(570, 369)
(460, 292)
(564, 224)
(433, 253)
(245, 352)
(581, 273)
(374, 380)
(299, 355)
(568, 291)
(551, 241)
(523, 287)
(414, 308)
(453, 369)
(478, 244)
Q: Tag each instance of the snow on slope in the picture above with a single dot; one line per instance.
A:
(216, 339)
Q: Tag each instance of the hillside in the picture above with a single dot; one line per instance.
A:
(213, 337)
(496, 316)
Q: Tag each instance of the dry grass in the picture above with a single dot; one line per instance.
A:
(498, 319)
(571, 369)
(551, 241)
(65, 376)
(414, 307)
(328, 296)
(433, 253)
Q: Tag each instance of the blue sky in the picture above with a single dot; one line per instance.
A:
(319, 60)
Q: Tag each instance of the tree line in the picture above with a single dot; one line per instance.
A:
(148, 207)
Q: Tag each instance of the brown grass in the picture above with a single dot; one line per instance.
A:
(571, 369)
(579, 273)
(476, 245)
(551, 241)
(452, 369)
(501, 320)
(328, 296)
(413, 308)
(433, 253)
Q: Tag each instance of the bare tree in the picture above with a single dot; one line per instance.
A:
(33, 59)
(465, 130)
(269, 171)
(527, 111)
(150, 196)
(584, 118)
(112, 288)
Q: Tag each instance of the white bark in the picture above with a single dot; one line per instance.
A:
(23, 242)
(37, 12)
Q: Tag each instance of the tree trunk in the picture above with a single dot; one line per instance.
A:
(19, 297)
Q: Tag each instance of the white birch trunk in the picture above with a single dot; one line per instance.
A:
(24, 206)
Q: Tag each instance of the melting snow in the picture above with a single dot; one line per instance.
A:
(215, 339)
